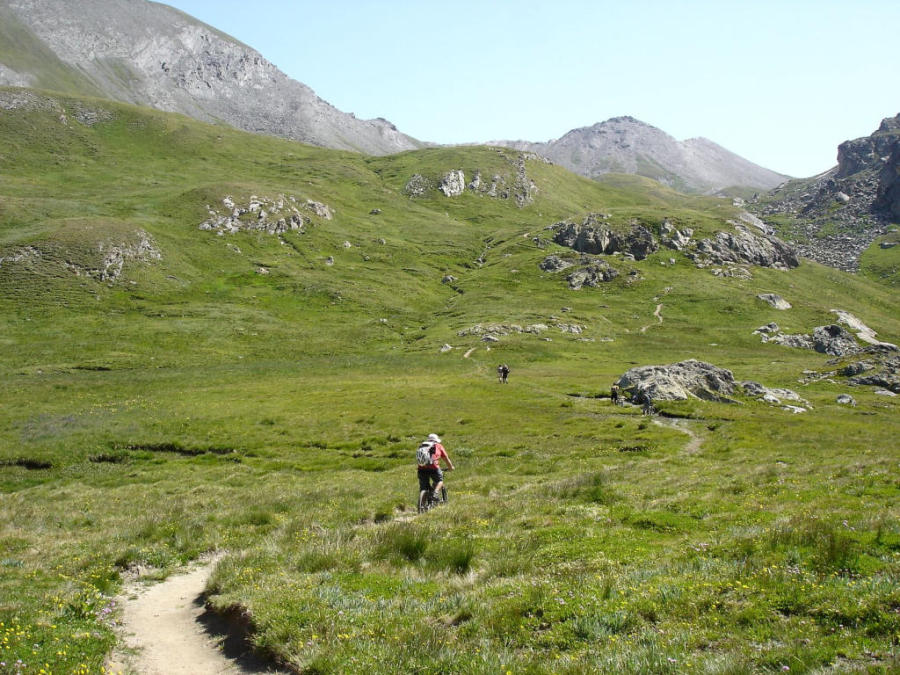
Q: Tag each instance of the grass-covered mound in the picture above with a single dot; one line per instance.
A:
(263, 394)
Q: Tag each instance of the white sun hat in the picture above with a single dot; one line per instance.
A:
(434, 437)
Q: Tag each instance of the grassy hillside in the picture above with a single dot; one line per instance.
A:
(262, 394)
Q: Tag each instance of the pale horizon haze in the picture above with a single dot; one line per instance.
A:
(779, 83)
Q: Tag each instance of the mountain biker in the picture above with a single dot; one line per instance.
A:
(503, 373)
(431, 474)
(614, 394)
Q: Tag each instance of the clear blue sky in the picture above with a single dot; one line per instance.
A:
(780, 83)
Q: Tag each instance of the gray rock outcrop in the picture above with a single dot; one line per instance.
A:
(592, 275)
(674, 238)
(679, 381)
(515, 185)
(834, 340)
(453, 183)
(417, 185)
(593, 236)
(742, 246)
(797, 341)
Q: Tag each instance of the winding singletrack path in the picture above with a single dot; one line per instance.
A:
(163, 632)
(681, 425)
(657, 314)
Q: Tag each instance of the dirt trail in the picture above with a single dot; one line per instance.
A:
(164, 631)
(682, 425)
(657, 314)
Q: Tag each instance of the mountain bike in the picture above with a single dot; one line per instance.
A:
(428, 499)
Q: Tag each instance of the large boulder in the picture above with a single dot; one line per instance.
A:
(679, 381)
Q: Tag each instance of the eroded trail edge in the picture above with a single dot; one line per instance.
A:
(163, 629)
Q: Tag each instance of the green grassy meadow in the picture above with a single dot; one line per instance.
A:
(196, 405)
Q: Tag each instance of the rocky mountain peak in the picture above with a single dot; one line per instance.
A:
(150, 54)
(627, 145)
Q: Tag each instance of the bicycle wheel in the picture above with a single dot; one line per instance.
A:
(424, 500)
(444, 497)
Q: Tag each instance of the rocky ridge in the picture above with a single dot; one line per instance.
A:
(150, 54)
(837, 215)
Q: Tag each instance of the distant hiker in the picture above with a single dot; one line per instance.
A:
(428, 458)
(614, 394)
(647, 408)
(502, 373)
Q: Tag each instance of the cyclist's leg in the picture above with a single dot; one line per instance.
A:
(438, 477)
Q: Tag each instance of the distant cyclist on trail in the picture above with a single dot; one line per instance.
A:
(503, 373)
(614, 394)
(428, 457)
(647, 409)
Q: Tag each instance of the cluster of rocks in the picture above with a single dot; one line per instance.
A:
(518, 187)
(593, 274)
(261, 214)
(492, 332)
(109, 257)
(674, 238)
(775, 396)
(22, 254)
(141, 249)
(873, 366)
(592, 271)
(731, 251)
(699, 379)
(593, 236)
(880, 367)
(831, 339)
(856, 200)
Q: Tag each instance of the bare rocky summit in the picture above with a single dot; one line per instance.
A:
(150, 54)
(627, 145)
